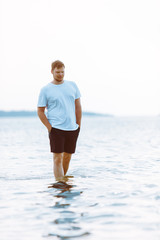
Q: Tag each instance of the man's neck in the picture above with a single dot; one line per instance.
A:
(57, 82)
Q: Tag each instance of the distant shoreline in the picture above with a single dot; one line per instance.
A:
(34, 114)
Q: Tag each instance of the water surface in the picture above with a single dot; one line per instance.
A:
(114, 179)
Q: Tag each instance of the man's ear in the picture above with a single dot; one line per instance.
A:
(52, 71)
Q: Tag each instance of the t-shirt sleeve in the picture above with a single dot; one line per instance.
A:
(42, 100)
(78, 94)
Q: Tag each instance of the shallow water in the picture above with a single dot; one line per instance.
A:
(114, 175)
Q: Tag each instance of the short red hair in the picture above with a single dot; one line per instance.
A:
(57, 64)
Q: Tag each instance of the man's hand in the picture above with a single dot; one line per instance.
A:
(49, 129)
(78, 110)
(43, 118)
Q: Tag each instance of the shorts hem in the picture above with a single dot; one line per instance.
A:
(63, 152)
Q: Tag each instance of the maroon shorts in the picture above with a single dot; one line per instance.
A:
(63, 141)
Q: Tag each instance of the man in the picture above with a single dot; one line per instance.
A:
(63, 120)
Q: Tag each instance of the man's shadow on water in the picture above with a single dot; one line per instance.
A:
(66, 190)
(67, 219)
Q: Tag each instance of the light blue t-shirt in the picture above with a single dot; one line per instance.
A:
(60, 103)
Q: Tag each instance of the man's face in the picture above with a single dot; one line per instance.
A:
(58, 74)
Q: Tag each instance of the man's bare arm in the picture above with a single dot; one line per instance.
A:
(43, 118)
(78, 110)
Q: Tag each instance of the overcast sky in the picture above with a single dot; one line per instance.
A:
(111, 49)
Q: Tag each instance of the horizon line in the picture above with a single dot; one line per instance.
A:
(25, 113)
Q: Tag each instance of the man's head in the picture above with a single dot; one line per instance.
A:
(57, 69)
(57, 64)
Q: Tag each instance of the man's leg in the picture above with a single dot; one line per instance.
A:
(66, 161)
(58, 165)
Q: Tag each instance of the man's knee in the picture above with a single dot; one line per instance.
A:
(57, 157)
(67, 156)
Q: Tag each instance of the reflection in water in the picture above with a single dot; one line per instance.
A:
(68, 237)
(66, 225)
(61, 185)
(116, 167)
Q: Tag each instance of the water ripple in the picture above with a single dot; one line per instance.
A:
(114, 193)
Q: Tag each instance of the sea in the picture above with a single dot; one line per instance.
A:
(114, 180)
